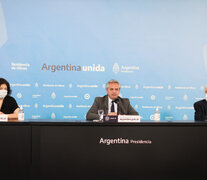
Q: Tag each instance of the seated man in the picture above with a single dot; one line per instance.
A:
(201, 108)
(112, 104)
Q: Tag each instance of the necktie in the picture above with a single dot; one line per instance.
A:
(112, 106)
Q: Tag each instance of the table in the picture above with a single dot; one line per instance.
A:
(85, 150)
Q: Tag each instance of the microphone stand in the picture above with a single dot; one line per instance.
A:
(117, 102)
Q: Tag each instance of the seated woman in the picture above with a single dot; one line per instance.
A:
(8, 104)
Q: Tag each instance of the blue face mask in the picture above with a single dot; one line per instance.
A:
(3, 94)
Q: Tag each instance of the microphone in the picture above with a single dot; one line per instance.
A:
(116, 101)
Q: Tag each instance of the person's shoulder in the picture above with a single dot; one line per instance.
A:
(203, 101)
(100, 98)
(123, 99)
(9, 98)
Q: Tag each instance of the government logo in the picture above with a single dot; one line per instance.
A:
(116, 68)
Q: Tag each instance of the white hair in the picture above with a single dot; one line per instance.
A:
(112, 81)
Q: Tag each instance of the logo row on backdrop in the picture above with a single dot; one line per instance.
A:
(136, 86)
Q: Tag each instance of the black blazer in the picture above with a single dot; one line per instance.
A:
(200, 110)
(124, 107)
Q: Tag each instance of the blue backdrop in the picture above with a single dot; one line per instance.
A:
(58, 54)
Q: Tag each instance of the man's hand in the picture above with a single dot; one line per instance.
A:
(1, 112)
(112, 114)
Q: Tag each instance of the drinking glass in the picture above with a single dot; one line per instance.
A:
(101, 114)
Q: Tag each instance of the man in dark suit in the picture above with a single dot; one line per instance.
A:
(201, 109)
(111, 103)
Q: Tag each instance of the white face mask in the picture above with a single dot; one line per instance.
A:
(3, 94)
(206, 96)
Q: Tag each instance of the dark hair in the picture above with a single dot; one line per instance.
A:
(4, 81)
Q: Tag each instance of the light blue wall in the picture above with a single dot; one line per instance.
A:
(161, 44)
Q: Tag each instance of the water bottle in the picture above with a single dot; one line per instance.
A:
(21, 114)
(157, 115)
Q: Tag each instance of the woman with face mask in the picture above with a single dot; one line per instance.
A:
(8, 104)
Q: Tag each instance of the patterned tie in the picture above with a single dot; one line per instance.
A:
(112, 106)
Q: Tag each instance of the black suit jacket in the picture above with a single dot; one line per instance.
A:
(124, 107)
(200, 110)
